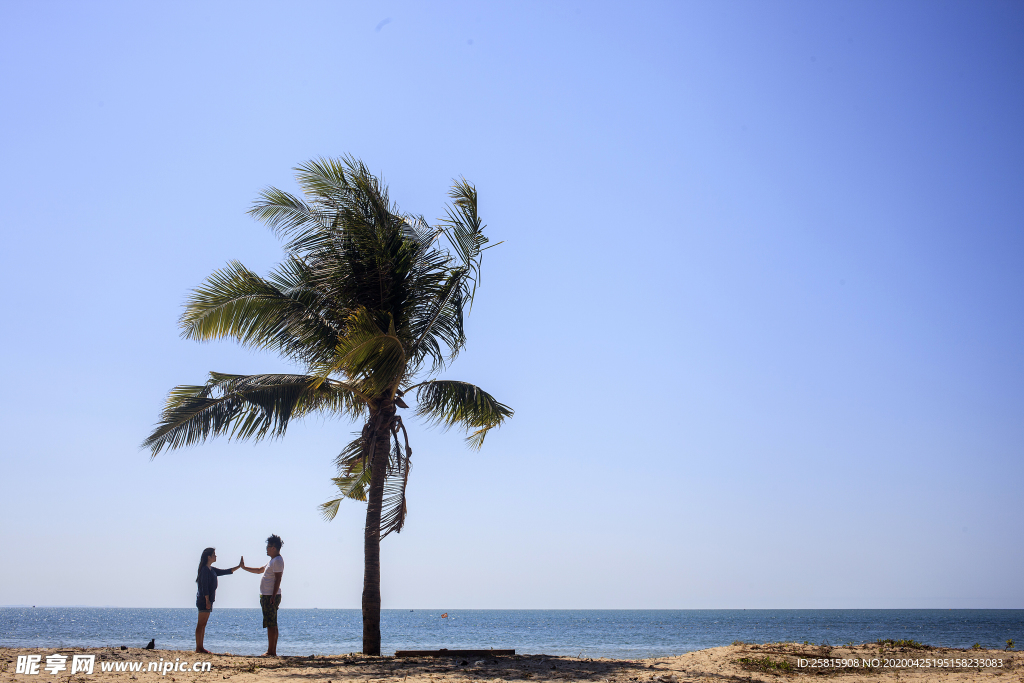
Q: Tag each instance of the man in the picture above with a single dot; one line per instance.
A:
(270, 590)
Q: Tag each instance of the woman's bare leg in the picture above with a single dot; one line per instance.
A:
(201, 632)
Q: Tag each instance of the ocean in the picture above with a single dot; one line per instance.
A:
(621, 634)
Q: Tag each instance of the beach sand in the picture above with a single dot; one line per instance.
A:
(715, 665)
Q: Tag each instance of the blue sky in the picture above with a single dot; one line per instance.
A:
(758, 308)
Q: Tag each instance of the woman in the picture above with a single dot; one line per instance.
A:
(206, 579)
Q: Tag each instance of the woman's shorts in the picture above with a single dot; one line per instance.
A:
(270, 605)
(201, 604)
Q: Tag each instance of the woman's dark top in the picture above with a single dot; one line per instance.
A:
(208, 582)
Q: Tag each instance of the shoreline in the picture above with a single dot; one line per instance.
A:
(738, 662)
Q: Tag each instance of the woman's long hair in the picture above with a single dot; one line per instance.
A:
(203, 560)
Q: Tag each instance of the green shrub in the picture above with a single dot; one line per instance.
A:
(766, 663)
(889, 642)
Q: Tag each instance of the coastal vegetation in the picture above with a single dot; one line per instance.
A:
(766, 664)
(903, 642)
(369, 302)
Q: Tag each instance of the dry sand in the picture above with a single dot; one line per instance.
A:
(715, 665)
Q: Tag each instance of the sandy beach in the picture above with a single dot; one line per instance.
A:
(739, 662)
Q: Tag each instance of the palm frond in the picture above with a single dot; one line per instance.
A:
(353, 478)
(304, 226)
(394, 507)
(373, 358)
(351, 454)
(420, 232)
(280, 313)
(352, 487)
(247, 407)
(465, 231)
(439, 321)
(450, 403)
(475, 439)
(328, 179)
(354, 481)
(329, 510)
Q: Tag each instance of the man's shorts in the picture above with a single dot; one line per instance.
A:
(201, 604)
(270, 605)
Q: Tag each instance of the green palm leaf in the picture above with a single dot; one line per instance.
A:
(352, 487)
(306, 226)
(247, 407)
(449, 403)
(278, 313)
(394, 507)
(465, 231)
(372, 359)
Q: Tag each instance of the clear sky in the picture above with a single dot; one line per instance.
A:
(759, 308)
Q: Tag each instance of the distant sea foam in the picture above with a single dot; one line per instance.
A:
(622, 634)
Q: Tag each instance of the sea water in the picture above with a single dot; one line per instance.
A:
(622, 634)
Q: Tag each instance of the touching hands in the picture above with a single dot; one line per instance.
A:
(254, 570)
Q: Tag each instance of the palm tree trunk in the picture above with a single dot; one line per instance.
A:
(371, 533)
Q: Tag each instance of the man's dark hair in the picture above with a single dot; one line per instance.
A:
(275, 541)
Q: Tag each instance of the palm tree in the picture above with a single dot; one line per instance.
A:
(369, 302)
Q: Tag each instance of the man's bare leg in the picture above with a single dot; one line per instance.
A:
(271, 642)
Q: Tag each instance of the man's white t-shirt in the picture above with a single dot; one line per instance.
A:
(267, 582)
